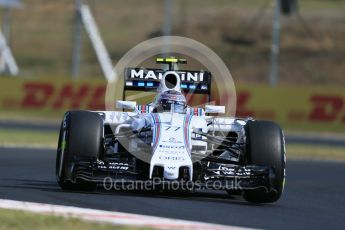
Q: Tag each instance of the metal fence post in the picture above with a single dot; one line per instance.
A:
(275, 45)
(77, 46)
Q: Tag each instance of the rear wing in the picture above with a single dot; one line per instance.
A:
(141, 79)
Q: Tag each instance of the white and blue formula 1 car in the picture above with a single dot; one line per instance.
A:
(166, 142)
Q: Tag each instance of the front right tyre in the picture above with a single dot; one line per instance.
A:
(80, 138)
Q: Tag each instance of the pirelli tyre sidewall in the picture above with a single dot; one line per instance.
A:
(265, 146)
(80, 137)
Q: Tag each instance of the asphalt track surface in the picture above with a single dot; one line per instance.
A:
(313, 139)
(313, 198)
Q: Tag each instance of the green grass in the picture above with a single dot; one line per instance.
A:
(32, 116)
(315, 152)
(10, 219)
(28, 138)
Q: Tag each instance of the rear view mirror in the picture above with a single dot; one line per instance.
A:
(214, 109)
(126, 105)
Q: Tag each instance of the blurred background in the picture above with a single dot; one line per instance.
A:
(239, 31)
(287, 58)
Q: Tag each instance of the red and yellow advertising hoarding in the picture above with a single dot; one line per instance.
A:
(302, 108)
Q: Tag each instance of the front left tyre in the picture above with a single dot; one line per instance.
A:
(266, 147)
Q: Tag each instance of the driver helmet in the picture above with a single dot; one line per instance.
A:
(169, 98)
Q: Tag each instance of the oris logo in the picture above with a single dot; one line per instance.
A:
(171, 158)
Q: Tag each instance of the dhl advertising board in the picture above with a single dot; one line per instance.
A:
(300, 108)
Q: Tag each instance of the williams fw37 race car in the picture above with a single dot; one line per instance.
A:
(166, 142)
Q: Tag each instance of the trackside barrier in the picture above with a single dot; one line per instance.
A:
(307, 108)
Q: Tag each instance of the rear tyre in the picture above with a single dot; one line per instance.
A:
(80, 138)
(266, 147)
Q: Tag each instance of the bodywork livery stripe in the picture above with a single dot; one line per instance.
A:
(143, 109)
(186, 124)
(156, 130)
